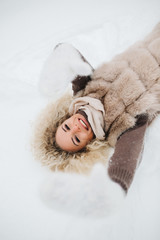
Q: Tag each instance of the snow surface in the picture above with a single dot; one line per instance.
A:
(29, 31)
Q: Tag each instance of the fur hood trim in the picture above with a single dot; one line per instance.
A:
(45, 150)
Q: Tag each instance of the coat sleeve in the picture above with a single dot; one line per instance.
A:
(128, 153)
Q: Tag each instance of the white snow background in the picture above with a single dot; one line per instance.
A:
(100, 29)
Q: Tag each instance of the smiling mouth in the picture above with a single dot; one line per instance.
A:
(84, 125)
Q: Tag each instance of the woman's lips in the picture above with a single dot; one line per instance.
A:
(83, 123)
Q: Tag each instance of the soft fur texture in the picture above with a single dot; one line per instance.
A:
(128, 86)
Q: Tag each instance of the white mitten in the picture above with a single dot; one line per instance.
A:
(95, 195)
(63, 65)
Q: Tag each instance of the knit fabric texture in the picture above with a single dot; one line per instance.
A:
(128, 153)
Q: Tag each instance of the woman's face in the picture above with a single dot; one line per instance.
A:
(74, 133)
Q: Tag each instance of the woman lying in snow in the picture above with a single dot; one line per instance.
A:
(110, 110)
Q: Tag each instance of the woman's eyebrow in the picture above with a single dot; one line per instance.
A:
(74, 142)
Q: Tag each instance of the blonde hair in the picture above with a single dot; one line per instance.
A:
(46, 150)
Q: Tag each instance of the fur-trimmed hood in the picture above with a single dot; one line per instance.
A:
(44, 147)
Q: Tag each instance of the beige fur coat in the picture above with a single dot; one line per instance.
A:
(128, 86)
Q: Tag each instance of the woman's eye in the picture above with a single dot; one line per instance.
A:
(66, 126)
(77, 139)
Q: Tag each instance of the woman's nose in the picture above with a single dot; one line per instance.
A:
(76, 128)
